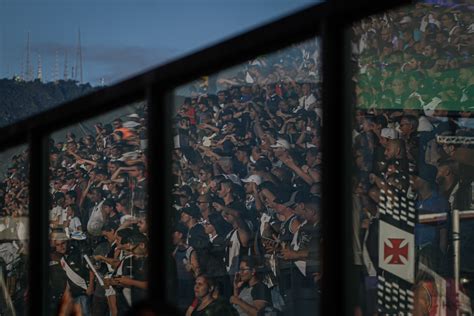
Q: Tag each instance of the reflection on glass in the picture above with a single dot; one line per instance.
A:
(413, 153)
(247, 169)
(98, 226)
(14, 202)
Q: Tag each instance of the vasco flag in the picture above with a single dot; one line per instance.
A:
(397, 251)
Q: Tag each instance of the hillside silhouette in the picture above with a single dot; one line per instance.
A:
(22, 99)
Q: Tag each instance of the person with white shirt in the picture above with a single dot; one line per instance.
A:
(97, 218)
(57, 215)
(308, 100)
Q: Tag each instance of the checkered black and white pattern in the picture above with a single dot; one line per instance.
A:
(394, 296)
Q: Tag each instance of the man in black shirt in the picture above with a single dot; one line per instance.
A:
(105, 254)
(132, 284)
(57, 275)
(197, 237)
(110, 210)
(69, 257)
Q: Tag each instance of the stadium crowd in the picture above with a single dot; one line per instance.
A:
(247, 169)
(247, 166)
(98, 208)
(414, 83)
(99, 205)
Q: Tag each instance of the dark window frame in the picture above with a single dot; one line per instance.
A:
(329, 21)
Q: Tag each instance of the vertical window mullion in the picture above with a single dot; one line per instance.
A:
(38, 295)
(336, 197)
(160, 146)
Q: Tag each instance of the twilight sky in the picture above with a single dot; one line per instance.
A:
(121, 38)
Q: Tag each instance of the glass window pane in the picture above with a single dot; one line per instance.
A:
(247, 169)
(56, 51)
(14, 230)
(98, 214)
(413, 166)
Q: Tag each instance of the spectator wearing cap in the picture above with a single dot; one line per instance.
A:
(187, 266)
(429, 201)
(79, 281)
(281, 145)
(387, 134)
(304, 254)
(133, 121)
(57, 275)
(251, 184)
(196, 236)
(288, 226)
(217, 229)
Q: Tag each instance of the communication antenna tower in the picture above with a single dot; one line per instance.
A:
(56, 67)
(22, 69)
(78, 68)
(28, 67)
(65, 65)
(40, 69)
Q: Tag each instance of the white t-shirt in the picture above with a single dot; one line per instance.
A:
(96, 221)
(306, 101)
(74, 224)
(58, 212)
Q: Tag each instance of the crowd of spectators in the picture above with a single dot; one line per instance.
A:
(414, 82)
(98, 197)
(14, 237)
(247, 169)
(99, 207)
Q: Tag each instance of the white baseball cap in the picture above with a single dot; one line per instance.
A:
(389, 133)
(253, 178)
(281, 143)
